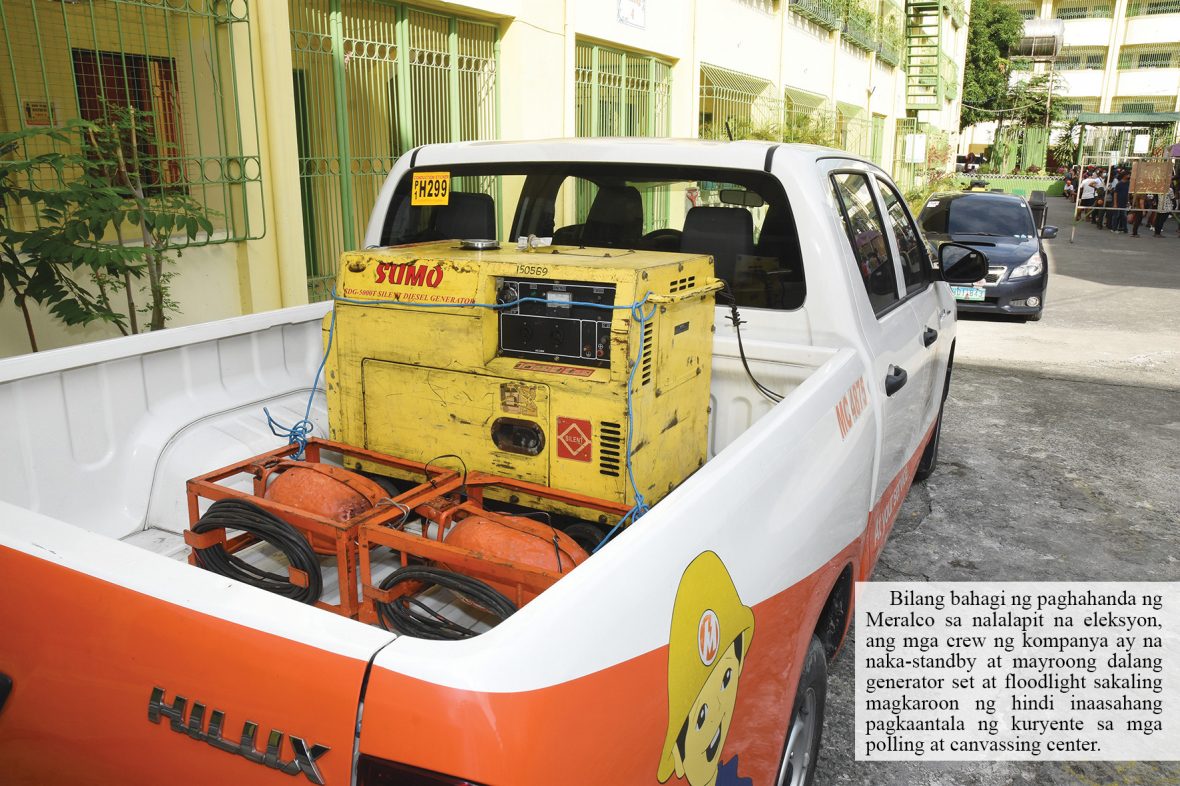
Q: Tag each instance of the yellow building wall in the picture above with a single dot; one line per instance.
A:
(213, 281)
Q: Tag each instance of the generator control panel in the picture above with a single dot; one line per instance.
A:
(554, 323)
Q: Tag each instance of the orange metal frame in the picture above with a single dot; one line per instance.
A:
(527, 580)
(353, 540)
(342, 535)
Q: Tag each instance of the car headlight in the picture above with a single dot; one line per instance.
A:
(1031, 267)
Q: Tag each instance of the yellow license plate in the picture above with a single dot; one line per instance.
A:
(430, 188)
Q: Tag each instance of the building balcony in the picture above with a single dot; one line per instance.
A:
(825, 13)
(1161, 29)
(891, 46)
(1149, 82)
(860, 27)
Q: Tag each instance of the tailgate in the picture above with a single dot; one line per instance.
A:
(128, 667)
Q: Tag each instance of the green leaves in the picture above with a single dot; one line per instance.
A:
(81, 225)
(992, 32)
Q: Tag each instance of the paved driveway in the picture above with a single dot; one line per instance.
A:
(1060, 461)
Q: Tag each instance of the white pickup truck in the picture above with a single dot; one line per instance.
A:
(693, 646)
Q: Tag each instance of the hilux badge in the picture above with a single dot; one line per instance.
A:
(305, 755)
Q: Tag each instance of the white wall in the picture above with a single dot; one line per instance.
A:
(207, 276)
(1158, 29)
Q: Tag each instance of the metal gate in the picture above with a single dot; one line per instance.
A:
(372, 80)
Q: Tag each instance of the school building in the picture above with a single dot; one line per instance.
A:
(282, 117)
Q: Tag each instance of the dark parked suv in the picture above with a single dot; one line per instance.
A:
(1002, 227)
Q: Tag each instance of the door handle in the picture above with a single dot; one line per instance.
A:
(929, 337)
(895, 380)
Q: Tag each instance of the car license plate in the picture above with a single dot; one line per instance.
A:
(968, 293)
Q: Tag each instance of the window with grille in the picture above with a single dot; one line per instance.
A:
(620, 93)
(1144, 104)
(1078, 58)
(737, 105)
(177, 65)
(1075, 10)
(108, 82)
(1153, 7)
(1149, 56)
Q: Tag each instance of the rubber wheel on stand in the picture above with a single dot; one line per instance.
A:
(801, 750)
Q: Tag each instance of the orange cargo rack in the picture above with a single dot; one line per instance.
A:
(341, 535)
(527, 580)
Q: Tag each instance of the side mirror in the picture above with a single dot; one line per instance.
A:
(961, 264)
(1048, 232)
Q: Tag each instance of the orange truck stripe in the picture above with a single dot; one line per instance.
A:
(84, 655)
(608, 727)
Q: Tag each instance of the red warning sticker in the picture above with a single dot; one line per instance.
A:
(573, 439)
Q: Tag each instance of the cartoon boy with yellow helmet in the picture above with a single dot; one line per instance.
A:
(707, 648)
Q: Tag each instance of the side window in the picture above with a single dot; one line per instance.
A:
(866, 232)
(915, 264)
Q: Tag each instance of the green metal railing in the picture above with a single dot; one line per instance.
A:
(1028, 9)
(1072, 106)
(1152, 7)
(909, 153)
(622, 93)
(825, 13)
(185, 66)
(1082, 58)
(1079, 9)
(890, 44)
(1149, 56)
(748, 105)
(372, 80)
(860, 28)
(1144, 104)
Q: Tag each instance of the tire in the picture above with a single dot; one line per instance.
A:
(929, 460)
(801, 749)
(1037, 316)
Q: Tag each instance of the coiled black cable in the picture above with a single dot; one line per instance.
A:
(411, 617)
(249, 518)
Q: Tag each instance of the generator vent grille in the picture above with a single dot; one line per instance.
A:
(610, 448)
(649, 333)
(681, 284)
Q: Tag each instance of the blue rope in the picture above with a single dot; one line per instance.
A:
(298, 433)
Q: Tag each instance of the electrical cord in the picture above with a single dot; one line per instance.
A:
(736, 319)
(297, 434)
(249, 518)
(411, 617)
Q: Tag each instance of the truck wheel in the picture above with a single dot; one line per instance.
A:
(801, 750)
(929, 458)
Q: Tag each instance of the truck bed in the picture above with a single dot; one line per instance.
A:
(104, 436)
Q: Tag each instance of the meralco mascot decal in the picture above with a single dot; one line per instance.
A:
(707, 647)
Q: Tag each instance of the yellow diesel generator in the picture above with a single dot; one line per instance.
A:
(518, 362)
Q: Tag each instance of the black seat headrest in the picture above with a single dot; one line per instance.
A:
(466, 216)
(723, 232)
(615, 218)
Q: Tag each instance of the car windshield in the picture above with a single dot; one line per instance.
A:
(740, 218)
(982, 215)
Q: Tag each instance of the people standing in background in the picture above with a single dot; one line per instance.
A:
(1089, 192)
(1166, 206)
(1122, 199)
(1138, 213)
